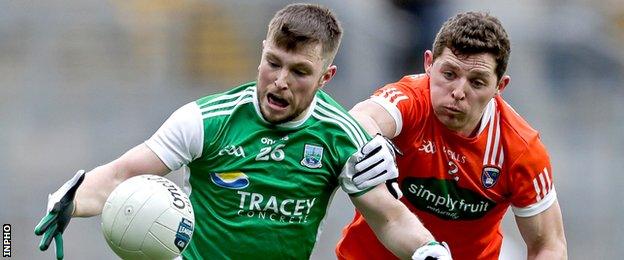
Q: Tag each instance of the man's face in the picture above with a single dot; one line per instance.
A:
(288, 81)
(461, 87)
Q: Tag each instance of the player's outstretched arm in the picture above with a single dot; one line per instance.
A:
(543, 234)
(101, 181)
(396, 227)
(85, 194)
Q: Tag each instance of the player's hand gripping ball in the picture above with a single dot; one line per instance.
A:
(148, 217)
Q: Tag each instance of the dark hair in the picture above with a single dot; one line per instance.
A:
(298, 25)
(472, 33)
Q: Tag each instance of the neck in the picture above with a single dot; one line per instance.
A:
(475, 129)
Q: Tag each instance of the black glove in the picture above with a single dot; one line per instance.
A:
(59, 213)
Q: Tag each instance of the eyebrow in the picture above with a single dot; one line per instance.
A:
(299, 65)
(478, 72)
(271, 55)
(481, 73)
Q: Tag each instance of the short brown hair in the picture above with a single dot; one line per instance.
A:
(298, 25)
(472, 33)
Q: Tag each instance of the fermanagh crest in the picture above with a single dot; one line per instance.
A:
(312, 155)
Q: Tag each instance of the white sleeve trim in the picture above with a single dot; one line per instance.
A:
(180, 139)
(393, 110)
(537, 207)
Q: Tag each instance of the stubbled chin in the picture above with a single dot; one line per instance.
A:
(273, 115)
(449, 121)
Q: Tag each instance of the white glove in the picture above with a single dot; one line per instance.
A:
(433, 250)
(372, 165)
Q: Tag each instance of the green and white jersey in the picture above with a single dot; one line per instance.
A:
(259, 190)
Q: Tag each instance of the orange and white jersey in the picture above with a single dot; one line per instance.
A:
(459, 187)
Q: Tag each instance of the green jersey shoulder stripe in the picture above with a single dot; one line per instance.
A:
(231, 108)
(344, 128)
(339, 117)
(219, 98)
(227, 108)
(346, 116)
(324, 115)
(227, 101)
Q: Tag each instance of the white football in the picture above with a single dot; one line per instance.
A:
(148, 217)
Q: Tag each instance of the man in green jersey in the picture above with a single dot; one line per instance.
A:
(263, 159)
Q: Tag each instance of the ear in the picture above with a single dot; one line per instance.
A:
(428, 61)
(502, 84)
(263, 46)
(328, 75)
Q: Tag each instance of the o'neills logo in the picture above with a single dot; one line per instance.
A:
(445, 199)
(178, 200)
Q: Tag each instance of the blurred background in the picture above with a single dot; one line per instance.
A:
(83, 81)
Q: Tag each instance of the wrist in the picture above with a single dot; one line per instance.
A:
(428, 242)
(73, 208)
(432, 249)
(431, 243)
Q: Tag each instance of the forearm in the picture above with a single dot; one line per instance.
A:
(94, 191)
(395, 226)
(101, 181)
(403, 236)
(544, 235)
(555, 252)
(554, 248)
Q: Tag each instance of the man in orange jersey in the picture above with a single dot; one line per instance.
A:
(468, 155)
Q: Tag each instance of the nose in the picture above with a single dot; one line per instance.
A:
(458, 91)
(281, 81)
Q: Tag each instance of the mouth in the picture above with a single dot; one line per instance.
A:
(453, 110)
(276, 101)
